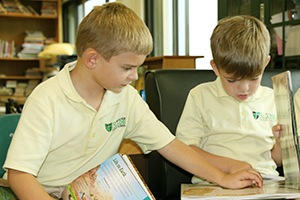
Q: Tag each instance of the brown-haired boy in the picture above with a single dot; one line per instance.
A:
(229, 121)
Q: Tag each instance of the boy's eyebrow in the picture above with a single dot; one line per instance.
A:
(229, 77)
(129, 65)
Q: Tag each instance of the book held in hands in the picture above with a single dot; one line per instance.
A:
(116, 178)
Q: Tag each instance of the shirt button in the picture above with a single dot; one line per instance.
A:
(94, 134)
(243, 113)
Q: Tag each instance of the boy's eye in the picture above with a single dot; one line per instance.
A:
(254, 79)
(127, 68)
(230, 81)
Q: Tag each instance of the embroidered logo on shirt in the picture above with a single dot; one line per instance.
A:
(263, 116)
(117, 124)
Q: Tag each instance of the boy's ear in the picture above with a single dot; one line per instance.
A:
(269, 58)
(91, 59)
(214, 67)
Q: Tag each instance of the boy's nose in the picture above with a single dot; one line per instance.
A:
(243, 86)
(134, 74)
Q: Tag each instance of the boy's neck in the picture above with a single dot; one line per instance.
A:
(89, 90)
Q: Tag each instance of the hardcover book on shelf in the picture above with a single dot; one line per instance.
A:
(116, 178)
(32, 10)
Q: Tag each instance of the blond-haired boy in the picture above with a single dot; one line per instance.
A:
(77, 119)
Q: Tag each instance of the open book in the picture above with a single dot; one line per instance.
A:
(271, 190)
(116, 178)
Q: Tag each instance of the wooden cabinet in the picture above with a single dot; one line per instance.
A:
(282, 18)
(14, 27)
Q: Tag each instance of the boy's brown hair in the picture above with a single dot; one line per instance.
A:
(240, 46)
(112, 29)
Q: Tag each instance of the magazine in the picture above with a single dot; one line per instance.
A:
(5, 191)
(283, 94)
(270, 190)
(116, 178)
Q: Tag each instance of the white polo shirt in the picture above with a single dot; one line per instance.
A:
(60, 136)
(217, 123)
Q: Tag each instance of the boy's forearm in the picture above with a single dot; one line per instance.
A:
(25, 186)
(227, 165)
(217, 161)
(185, 157)
(191, 161)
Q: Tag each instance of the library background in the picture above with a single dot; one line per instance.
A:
(37, 38)
(28, 27)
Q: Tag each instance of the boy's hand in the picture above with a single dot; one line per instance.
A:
(276, 131)
(242, 179)
(238, 166)
(276, 151)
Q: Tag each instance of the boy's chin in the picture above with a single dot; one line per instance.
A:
(117, 90)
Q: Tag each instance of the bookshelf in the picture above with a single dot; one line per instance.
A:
(14, 27)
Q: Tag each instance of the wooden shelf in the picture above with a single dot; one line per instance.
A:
(19, 59)
(29, 16)
(19, 99)
(21, 77)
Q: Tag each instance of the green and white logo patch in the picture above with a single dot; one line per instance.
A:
(263, 116)
(117, 124)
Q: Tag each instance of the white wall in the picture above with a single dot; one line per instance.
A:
(203, 19)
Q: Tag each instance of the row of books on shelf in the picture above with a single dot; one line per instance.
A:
(18, 89)
(34, 43)
(21, 88)
(7, 49)
(16, 7)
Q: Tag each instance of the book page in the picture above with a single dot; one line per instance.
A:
(110, 180)
(270, 190)
(137, 175)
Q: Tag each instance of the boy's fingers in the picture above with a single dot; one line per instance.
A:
(247, 183)
(257, 179)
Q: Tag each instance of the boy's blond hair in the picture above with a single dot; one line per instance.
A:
(112, 29)
(240, 46)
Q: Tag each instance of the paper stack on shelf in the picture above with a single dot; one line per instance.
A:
(31, 85)
(2, 9)
(20, 89)
(48, 8)
(12, 6)
(32, 72)
(33, 44)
